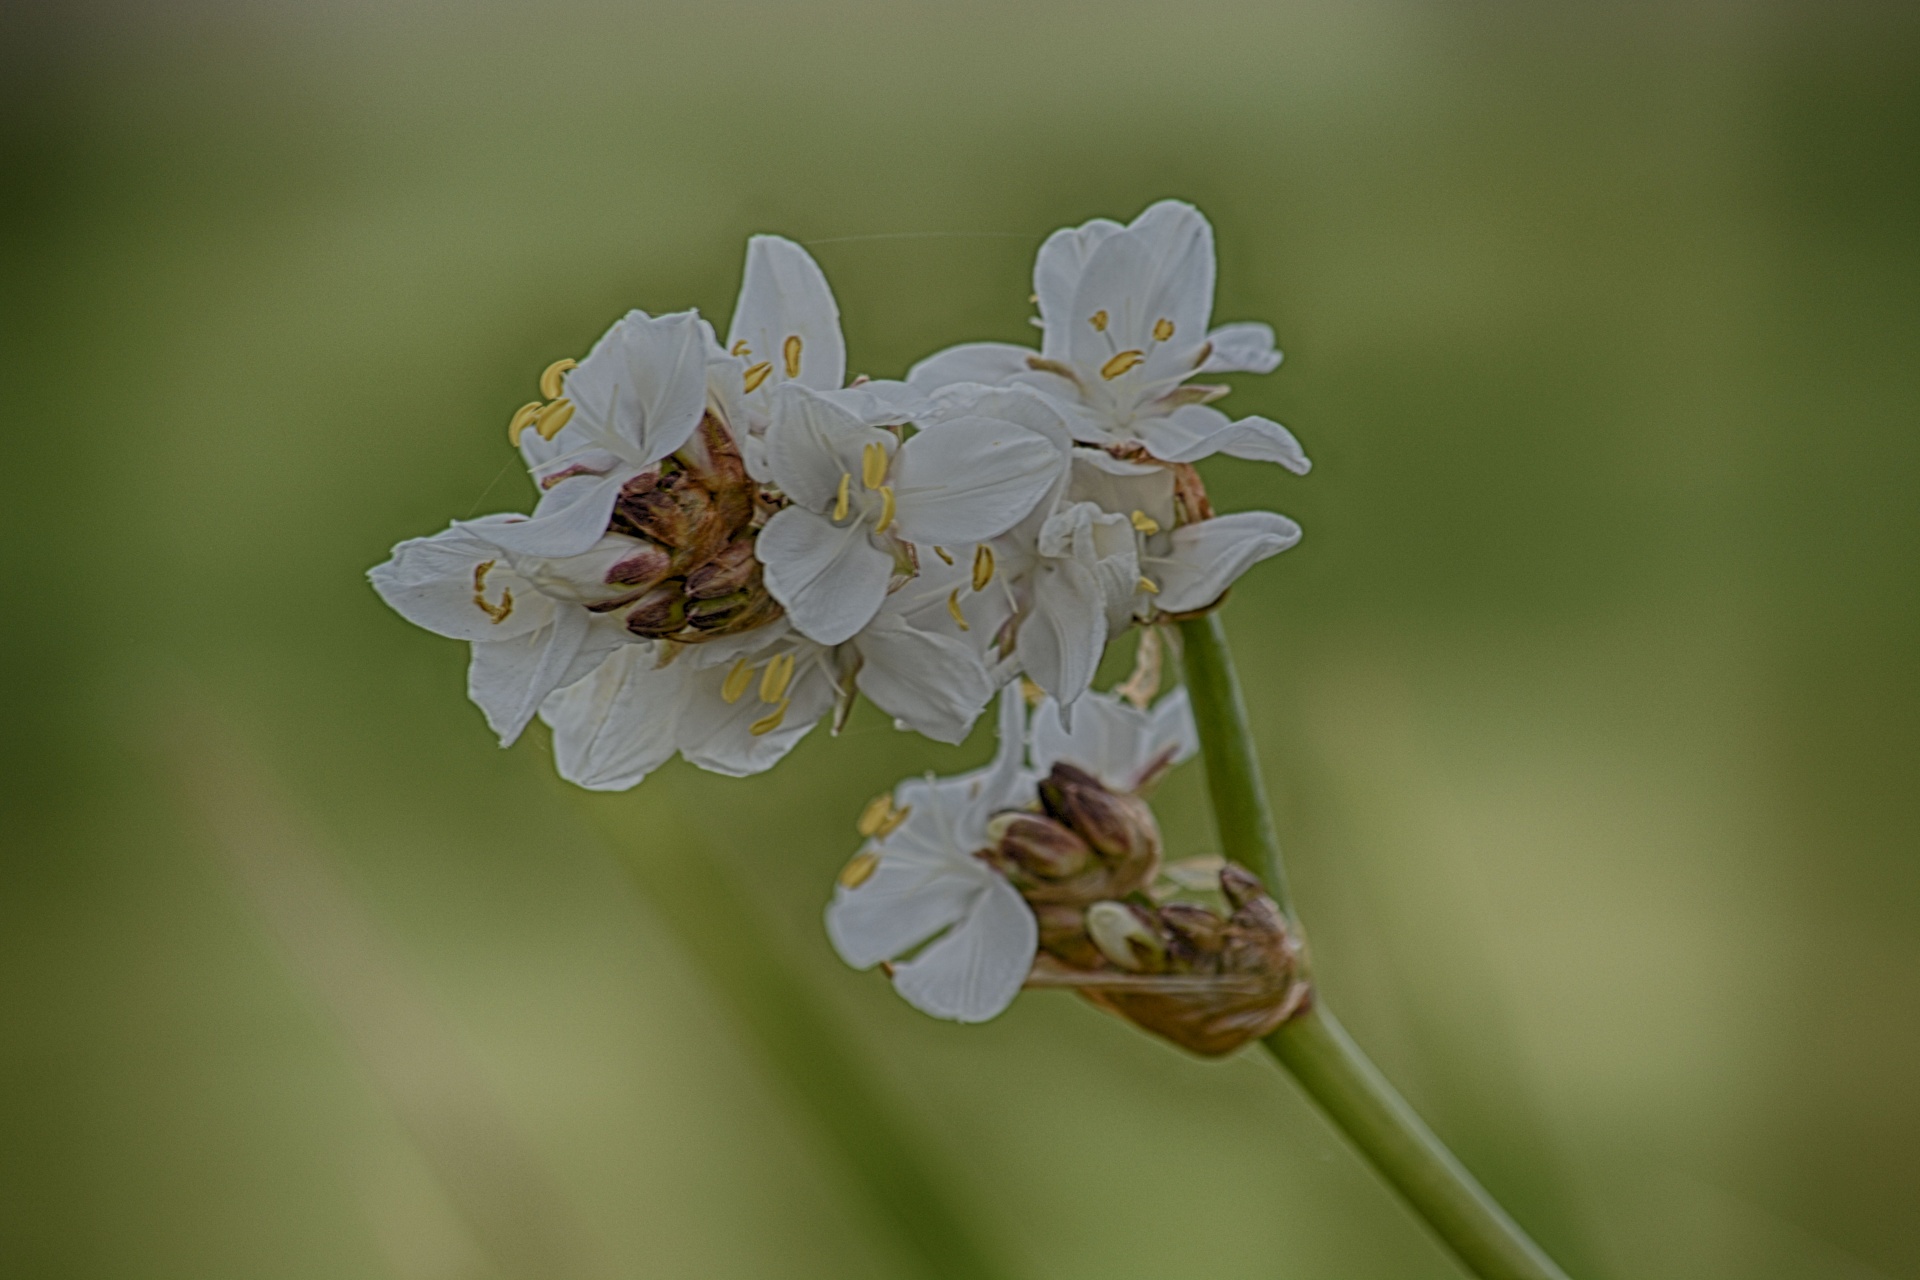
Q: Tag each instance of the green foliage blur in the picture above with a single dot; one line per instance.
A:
(1590, 700)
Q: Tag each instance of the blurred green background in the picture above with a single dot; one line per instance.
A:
(1590, 699)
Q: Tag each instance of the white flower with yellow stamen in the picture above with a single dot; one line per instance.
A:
(858, 495)
(917, 887)
(1124, 314)
(1122, 745)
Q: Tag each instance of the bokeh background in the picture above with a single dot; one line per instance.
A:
(1590, 699)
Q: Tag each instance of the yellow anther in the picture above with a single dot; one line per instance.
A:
(894, 819)
(873, 465)
(844, 498)
(886, 509)
(1033, 298)
(769, 722)
(498, 612)
(1149, 586)
(522, 418)
(775, 679)
(943, 554)
(1032, 692)
(790, 349)
(953, 607)
(757, 374)
(740, 349)
(550, 419)
(1145, 523)
(982, 566)
(1098, 320)
(737, 681)
(859, 870)
(878, 810)
(551, 383)
(1120, 363)
(1162, 329)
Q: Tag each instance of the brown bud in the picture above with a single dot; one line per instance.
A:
(660, 612)
(1118, 826)
(646, 564)
(733, 569)
(1036, 852)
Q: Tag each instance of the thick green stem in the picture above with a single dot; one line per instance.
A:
(719, 928)
(1314, 1047)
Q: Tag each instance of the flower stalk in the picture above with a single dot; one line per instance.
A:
(1313, 1046)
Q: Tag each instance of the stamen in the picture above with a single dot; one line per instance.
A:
(842, 500)
(550, 419)
(768, 723)
(1032, 692)
(1120, 363)
(522, 417)
(1149, 586)
(775, 679)
(859, 870)
(953, 607)
(894, 819)
(498, 612)
(1098, 320)
(1145, 523)
(873, 465)
(982, 566)
(757, 374)
(886, 509)
(737, 681)
(943, 554)
(740, 349)
(1162, 329)
(878, 810)
(550, 378)
(791, 350)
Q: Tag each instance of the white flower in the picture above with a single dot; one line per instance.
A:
(525, 643)
(857, 493)
(1124, 314)
(1073, 576)
(1122, 745)
(917, 884)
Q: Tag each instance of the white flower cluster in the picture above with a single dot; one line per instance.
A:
(733, 542)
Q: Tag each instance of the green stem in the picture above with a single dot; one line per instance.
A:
(1314, 1047)
(719, 927)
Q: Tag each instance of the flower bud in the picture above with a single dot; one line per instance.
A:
(1036, 851)
(1126, 936)
(1118, 826)
(660, 612)
(733, 569)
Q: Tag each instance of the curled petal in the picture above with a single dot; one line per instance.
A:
(1207, 557)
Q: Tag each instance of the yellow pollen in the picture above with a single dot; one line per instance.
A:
(740, 348)
(943, 554)
(737, 681)
(550, 419)
(859, 870)
(1119, 364)
(982, 566)
(953, 607)
(894, 819)
(522, 417)
(886, 509)
(1144, 522)
(1149, 586)
(1032, 692)
(791, 350)
(873, 465)
(1162, 329)
(550, 378)
(1098, 320)
(878, 810)
(842, 500)
(769, 722)
(498, 612)
(775, 679)
(757, 374)
(1033, 298)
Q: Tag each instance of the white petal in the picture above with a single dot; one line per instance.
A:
(974, 971)
(1173, 727)
(1108, 738)
(989, 363)
(509, 679)
(814, 441)
(1197, 431)
(1264, 440)
(1065, 631)
(431, 582)
(831, 579)
(784, 295)
(570, 518)
(1125, 487)
(1159, 269)
(1208, 556)
(932, 684)
(1241, 348)
(903, 903)
(1021, 405)
(718, 736)
(615, 727)
(1056, 274)
(971, 479)
(641, 390)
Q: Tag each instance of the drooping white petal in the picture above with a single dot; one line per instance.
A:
(717, 735)
(784, 296)
(1064, 631)
(831, 579)
(971, 479)
(813, 441)
(613, 728)
(459, 585)
(641, 390)
(1207, 557)
(987, 363)
(930, 683)
(570, 518)
(973, 971)
(1114, 740)
(1241, 348)
(509, 679)
(1197, 431)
